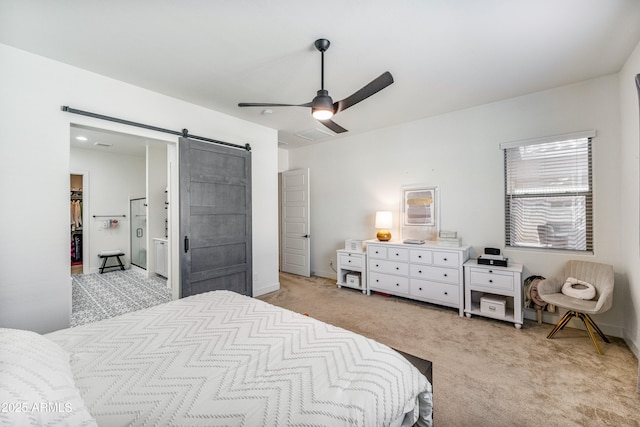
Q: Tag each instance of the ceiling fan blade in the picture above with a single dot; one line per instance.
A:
(375, 86)
(333, 126)
(259, 104)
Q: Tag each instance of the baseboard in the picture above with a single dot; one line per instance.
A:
(633, 346)
(327, 274)
(262, 290)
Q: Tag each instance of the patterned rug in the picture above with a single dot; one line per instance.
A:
(100, 296)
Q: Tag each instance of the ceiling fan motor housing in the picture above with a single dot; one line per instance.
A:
(322, 105)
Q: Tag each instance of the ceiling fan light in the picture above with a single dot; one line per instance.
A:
(320, 114)
(322, 106)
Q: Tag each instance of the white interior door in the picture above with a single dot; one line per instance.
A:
(296, 238)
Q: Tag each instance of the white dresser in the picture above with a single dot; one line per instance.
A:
(426, 272)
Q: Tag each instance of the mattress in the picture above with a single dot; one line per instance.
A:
(221, 358)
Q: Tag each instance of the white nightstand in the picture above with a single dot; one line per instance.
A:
(352, 270)
(494, 284)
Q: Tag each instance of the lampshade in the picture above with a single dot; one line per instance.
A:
(383, 222)
(383, 219)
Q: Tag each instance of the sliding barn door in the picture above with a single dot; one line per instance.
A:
(215, 218)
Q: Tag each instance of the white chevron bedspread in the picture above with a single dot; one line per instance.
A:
(221, 358)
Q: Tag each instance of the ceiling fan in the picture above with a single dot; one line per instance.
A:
(322, 107)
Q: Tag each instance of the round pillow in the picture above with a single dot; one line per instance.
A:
(578, 289)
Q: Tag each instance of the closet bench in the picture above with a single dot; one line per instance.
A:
(105, 255)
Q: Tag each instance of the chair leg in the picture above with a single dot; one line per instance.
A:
(587, 324)
(561, 324)
(596, 328)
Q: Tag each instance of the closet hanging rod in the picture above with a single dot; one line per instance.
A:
(111, 216)
(184, 133)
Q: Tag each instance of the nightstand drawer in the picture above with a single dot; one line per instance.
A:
(389, 267)
(350, 260)
(386, 282)
(439, 274)
(376, 252)
(449, 294)
(421, 257)
(491, 279)
(446, 259)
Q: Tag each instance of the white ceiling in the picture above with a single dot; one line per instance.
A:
(107, 141)
(445, 55)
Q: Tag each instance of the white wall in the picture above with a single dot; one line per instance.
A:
(353, 177)
(35, 288)
(113, 180)
(630, 201)
(283, 160)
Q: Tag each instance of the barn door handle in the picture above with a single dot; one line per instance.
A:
(186, 244)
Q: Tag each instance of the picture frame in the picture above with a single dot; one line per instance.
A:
(419, 212)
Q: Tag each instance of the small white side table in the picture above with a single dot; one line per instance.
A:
(486, 280)
(352, 264)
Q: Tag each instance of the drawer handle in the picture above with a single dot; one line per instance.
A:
(377, 265)
(445, 274)
(420, 288)
(420, 271)
(397, 268)
(446, 293)
(490, 271)
(377, 280)
(490, 281)
(349, 261)
(445, 259)
(397, 284)
(419, 256)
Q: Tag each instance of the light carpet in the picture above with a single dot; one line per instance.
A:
(485, 372)
(100, 296)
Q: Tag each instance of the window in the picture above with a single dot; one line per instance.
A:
(548, 192)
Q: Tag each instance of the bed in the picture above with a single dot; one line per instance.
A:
(217, 358)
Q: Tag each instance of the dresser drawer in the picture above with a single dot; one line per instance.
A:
(389, 267)
(398, 254)
(439, 274)
(420, 257)
(351, 260)
(388, 283)
(449, 294)
(378, 252)
(493, 279)
(446, 259)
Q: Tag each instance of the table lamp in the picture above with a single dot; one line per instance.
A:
(383, 222)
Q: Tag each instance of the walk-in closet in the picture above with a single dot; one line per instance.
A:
(76, 241)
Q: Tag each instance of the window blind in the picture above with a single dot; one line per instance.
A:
(548, 193)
